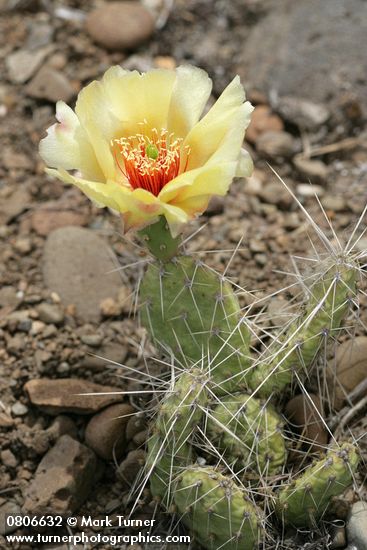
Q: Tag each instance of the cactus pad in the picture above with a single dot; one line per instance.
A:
(216, 510)
(249, 433)
(306, 500)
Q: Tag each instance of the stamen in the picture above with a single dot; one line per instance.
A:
(150, 162)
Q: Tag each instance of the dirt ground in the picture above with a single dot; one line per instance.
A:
(43, 335)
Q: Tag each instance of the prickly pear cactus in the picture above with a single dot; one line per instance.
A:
(189, 310)
(230, 401)
(249, 433)
(307, 498)
(219, 514)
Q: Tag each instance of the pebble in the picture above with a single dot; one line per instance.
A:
(334, 203)
(62, 425)
(23, 64)
(305, 114)
(79, 255)
(278, 312)
(68, 395)
(275, 144)
(357, 526)
(120, 25)
(108, 354)
(14, 205)
(276, 193)
(263, 120)
(315, 170)
(46, 218)
(18, 409)
(105, 432)
(347, 369)
(92, 340)
(51, 85)
(50, 314)
(307, 421)
(8, 458)
(6, 509)
(309, 190)
(63, 479)
(130, 468)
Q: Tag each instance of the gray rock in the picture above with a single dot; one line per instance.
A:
(357, 526)
(305, 114)
(63, 479)
(18, 409)
(309, 49)
(51, 85)
(79, 266)
(105, 356)
(314, 170)
(22, 64)
(275, 144)
(50, 314)
(130, 468)
(6, 509)
(14, 205)
(40, 35)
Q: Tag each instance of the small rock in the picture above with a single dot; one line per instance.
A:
(278, 312)
(263, 120)
(275, 144)
(8, 458)
(303, 113)
(14, 205)
(63, 479)
(51, 85)
(357, 526)
(18, 409)
(129, 469)
(23, 245)
(108, 354)
(8, 297)
(110, 307)
(334, 203)
(316, 170)
(62, 425)
(347, 369)
(22, 64)
(92, 340)
(215, 206)
(308, 190)
(50, 314)
(135, 424)
(338, 537)
(47, 218)
(9, 508)
(120, 25)
(68, 395)
(276, 193)
(105, 432)
(304, 412)
(40, 35)
(6, 421)
(79, 255)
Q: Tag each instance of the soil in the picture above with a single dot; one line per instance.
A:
(259, 216)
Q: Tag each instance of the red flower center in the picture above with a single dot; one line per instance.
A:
(149, 162)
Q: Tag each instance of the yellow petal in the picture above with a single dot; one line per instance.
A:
(190, 94)
(206, 136)
(67, 146)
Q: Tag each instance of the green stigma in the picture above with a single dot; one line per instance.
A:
(152, 151)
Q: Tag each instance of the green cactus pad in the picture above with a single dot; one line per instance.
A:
(182, 409)
(164, 461)
(189, 310)
(306, 500)
(216, 510)
(329, 303)
(249, 433)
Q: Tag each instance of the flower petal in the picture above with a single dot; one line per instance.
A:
(206, 136)
(67, 146)
(191, 91)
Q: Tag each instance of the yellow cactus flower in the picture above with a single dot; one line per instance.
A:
(136, 143)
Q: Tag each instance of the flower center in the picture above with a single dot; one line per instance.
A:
(149, 162)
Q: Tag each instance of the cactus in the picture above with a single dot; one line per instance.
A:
(192, 312)
(249, 432)
(307, 498)
(216, 510)
(329, 301)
